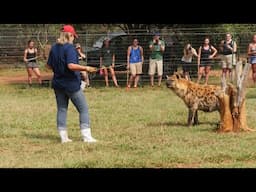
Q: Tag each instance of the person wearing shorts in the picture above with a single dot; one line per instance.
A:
(205, 54)
(30, 55)
(228, 48)
(157, 48)
(134, 62)
(107, 62)
(84, 75)
(188, 53)
(252, 57)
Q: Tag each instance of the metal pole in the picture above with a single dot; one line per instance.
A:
(86, 46)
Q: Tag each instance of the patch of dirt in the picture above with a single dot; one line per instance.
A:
(23, 78)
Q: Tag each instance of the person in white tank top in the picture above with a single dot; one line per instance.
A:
(188, 53)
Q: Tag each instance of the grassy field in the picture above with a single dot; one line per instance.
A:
(136, 128)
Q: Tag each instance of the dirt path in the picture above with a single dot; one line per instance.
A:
(22, 78)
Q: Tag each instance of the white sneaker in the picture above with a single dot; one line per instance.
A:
(64, 136)
(87, 137)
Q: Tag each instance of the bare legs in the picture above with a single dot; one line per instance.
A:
(254, 72)
(186, 75)
(224, 73)
(204, 70)
(36, 72)
(30, 73)
(112, 72)
(152, 80)
(159, 80)
(134, 78)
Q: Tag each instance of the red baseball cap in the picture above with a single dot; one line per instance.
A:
(70, 29)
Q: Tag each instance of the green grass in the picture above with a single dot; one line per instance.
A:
(135, 128)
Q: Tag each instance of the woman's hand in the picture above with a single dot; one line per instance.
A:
(91, 69)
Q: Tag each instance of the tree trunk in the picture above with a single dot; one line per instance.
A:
(232, 117)
(232, 105)
(226, 121)
(239, 118)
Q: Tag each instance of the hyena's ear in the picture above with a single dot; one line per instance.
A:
(182, 75)
(178, 76)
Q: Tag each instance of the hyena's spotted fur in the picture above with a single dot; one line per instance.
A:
(195, 96)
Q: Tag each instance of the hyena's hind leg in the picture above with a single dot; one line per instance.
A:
(196, 122)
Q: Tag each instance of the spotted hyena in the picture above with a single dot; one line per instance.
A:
(195, 96)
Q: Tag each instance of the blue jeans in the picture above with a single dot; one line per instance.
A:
(78, 99)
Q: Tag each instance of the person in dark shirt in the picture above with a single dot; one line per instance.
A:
(205, 54)
(30, 56)
(228, 49)
(107, 61)
(63, 60)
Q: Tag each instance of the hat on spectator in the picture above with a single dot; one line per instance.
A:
(70, 29)
(106, 39)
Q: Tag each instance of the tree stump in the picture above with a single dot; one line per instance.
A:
(226, 121)
(232, 105)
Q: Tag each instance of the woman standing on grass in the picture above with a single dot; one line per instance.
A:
(187, 66)
(206, 53)
(30, 56)
(135, 60)
(84, 74)
(107, 61)
(252, 57)
(63, 60)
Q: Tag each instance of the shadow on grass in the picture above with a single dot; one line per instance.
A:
(156, 124)
(50, 137)
(26, 86)
(181, 124)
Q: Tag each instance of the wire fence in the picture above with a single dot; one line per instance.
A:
(174, 42)
(13, 44)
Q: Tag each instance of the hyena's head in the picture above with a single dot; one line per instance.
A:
(174, 81)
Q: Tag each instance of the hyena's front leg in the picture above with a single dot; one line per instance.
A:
(191, 116)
